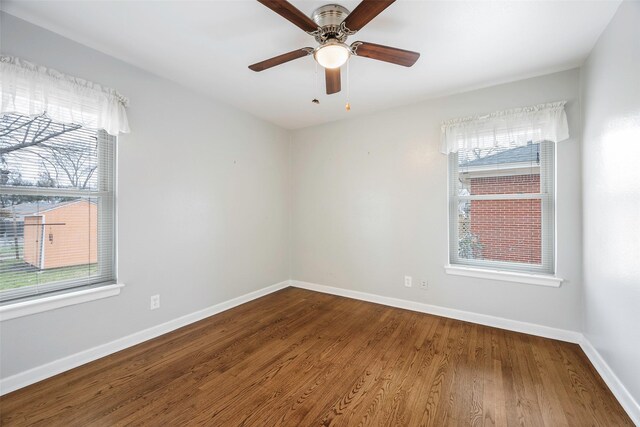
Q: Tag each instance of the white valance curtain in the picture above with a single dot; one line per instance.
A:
(515, 127)
(30, 89)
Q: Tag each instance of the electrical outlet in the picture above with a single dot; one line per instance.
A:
(155, 302)
(407, 281)
(424, 285)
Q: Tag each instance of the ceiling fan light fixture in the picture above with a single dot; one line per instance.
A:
(332, 54)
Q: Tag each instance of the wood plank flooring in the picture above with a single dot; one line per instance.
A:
(301, 358)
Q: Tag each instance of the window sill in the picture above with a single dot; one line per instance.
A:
(39, 305)
(507, 276)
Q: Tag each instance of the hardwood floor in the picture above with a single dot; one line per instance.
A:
(300, 358)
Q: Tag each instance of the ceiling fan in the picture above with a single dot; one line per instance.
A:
(331, 25)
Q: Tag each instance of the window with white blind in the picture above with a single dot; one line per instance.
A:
(56, 206)
(502, 206)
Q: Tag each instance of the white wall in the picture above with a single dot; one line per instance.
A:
(203, 199)
(369, 205)
(611, 196)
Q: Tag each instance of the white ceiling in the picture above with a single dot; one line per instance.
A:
(207, 45)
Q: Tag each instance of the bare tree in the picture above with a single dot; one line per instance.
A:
(77, 164)
(61, 158)
(479, 153)
(66, 160)
(18, 132)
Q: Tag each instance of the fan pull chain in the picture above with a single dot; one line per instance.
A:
(348, 106)
(317, 84)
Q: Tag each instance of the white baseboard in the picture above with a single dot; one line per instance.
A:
(42, 372)
(611, 379)
(615, 385)
(467, 316)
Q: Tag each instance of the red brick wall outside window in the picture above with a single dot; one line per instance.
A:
(507, 230)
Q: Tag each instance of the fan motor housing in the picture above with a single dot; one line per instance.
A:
(329, 19)
(329, 14)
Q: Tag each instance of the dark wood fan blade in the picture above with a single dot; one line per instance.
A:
(332, 78)
(365, 12)
(385, 53)
(291, 14)
(280, 59)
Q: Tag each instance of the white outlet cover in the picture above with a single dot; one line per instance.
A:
(407, 281)
(154, 302)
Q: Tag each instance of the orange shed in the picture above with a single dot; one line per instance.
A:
(62, 235)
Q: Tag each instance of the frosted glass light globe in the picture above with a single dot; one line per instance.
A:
(332, 54)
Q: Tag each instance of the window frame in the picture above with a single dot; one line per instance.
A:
(548, 218)
(107, 218)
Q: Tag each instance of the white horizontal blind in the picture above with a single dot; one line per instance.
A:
(502, 206)
(56, 206)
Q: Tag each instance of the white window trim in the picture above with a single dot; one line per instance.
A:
(503, 275)
(46, 303)
(495, 266)
(72, 193)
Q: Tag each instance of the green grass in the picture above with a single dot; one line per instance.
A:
(14, 273)
(9, 251)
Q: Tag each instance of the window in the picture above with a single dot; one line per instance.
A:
(56, 206)
(502, 207)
